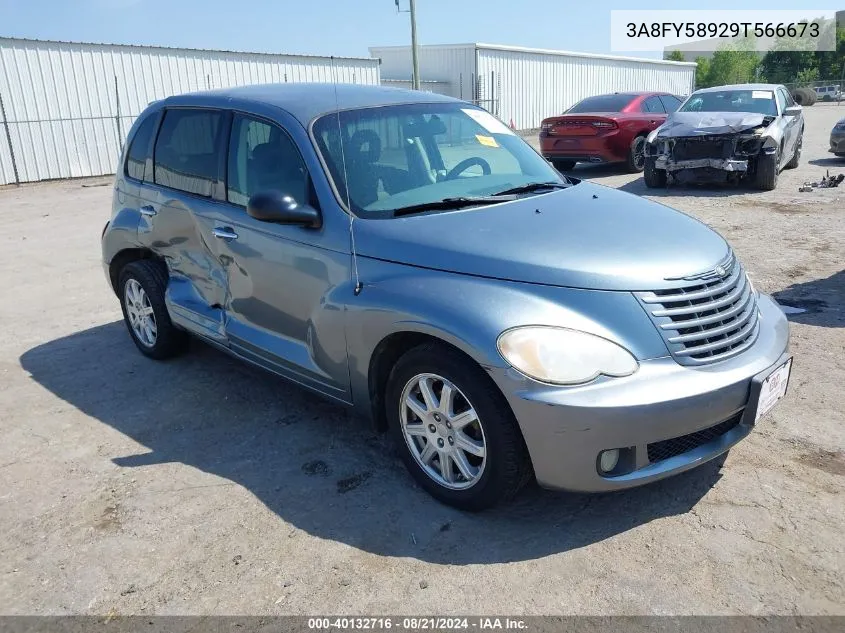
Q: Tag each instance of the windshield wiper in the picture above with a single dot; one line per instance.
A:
(447, 204)
(533, 186)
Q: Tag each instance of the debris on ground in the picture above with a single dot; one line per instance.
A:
(825, 183)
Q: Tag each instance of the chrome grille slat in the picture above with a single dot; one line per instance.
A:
(719, 316)
(708, 316)
(707, 291)
(739, 336)
(738, 323)
(701, 307)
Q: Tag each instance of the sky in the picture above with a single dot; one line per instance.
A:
(333, 27)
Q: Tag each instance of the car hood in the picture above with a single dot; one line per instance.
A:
(700, 123)
(585, 236)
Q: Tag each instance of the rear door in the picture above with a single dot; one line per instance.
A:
(181, 198)
(654, 111)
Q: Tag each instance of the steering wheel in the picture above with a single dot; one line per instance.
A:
(465, 164)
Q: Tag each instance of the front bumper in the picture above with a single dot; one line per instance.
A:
(565, 429)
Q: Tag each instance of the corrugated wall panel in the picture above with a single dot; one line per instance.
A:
(530, 86)
(61, 99)
(453, 65)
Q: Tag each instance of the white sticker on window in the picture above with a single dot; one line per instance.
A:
(487, 121)
(761, 94)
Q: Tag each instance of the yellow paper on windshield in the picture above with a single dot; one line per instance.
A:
(489, 141)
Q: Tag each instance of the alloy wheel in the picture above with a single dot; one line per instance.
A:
(443, 431)
(140, 313)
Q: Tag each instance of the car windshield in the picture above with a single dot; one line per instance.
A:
(601, 103)
(759, 101)
(400, 156)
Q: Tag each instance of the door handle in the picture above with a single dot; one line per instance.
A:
(147, 210)
(224, 233)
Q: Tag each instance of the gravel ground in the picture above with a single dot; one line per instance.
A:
(201, 486)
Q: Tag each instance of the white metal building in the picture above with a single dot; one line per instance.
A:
(525, 85)
(67, 107)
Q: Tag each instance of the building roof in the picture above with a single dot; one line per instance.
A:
(540, 51)
(5, 40)
(305, 101)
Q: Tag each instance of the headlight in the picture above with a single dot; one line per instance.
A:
(563, 357)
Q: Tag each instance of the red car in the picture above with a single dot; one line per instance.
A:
(605, 129)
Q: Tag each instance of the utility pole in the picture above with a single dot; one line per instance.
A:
(414, 56)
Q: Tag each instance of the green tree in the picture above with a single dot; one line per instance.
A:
(733, 65)
(702, 70)
(675, 56)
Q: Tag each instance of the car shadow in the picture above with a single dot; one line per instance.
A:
(703, 190)
(834, 162)
(822, 301)
(315, 465)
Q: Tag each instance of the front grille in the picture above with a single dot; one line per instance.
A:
(658, 451)
(708, 319)
(692, 149)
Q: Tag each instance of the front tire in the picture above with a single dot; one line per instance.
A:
(454, 429)
(653, 176)
(141, 289)
(767, 171)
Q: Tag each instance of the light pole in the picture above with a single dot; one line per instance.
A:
(414, 58)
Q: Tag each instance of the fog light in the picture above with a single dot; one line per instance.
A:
(608, 460)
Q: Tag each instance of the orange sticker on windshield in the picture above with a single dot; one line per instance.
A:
(489, 141)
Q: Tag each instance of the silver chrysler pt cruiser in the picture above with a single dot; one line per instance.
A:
(408, 255)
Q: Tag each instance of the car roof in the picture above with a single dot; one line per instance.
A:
(632, 93)
(771, 87)
(305, 101)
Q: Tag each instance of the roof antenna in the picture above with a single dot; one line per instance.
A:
(358, 284)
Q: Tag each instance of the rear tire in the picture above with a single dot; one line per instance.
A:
(653, 176)
(767, 171)
(505, 466)
(141, 289)
(563, 165)
(636, 155)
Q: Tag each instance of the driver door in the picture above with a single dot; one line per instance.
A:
(279, 311)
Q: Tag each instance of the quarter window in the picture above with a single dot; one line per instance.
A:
(185, 152)
(262, 157)
(136, 157)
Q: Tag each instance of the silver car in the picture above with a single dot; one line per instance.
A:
(727, 134)
(408, 255)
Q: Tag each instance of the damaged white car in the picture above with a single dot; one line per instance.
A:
(727, 134)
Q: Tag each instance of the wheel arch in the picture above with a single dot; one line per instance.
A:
(127, 256)
(384, 357)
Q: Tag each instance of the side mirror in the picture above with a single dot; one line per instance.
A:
(794, 110)
(274, 206)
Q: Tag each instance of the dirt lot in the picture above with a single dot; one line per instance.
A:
(203, 486)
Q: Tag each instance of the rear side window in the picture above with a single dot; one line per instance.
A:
(136, 157)
(263, 158)
(670, 103)
(185, 152)
(601, 103)
(653, 104)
